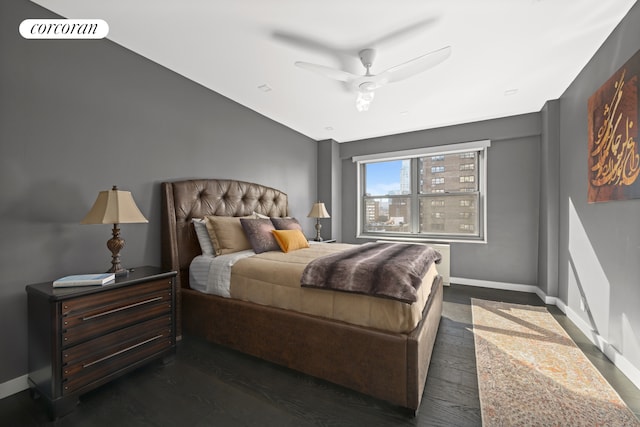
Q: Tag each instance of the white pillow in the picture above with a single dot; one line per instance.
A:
(206, 246)
(259, 215)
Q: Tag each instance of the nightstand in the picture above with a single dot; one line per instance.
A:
(83, 337)
(311, 241)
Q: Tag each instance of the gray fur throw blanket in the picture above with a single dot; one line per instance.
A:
(387, 270)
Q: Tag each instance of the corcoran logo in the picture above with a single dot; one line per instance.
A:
(64, 29)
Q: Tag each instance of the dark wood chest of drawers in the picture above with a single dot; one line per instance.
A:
(83, 337)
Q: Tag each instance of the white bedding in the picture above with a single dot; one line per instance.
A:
(212, 275)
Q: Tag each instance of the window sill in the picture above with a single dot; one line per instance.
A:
(413, 239)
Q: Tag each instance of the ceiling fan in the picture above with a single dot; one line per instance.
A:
(366, 84)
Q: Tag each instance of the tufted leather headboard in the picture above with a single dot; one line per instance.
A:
(197, 198)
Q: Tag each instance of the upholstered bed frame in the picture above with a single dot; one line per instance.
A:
(389, 366)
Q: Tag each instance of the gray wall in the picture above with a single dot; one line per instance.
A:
(511, 254)
(77, 117)
(599, 248)
(549, 199)
(330, 187)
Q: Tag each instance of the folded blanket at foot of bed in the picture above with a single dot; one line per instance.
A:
(387, 270)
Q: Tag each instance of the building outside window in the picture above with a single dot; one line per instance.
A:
(436, 193)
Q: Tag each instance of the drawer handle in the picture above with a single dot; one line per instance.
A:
(126, 307)
(124, 350)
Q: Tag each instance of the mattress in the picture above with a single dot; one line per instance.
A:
(273, 279)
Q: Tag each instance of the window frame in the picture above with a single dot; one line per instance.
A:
(479, 146)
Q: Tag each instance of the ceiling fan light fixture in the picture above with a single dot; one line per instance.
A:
(363, 101)
(365, 96)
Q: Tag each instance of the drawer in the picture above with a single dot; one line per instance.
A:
(77, 307)
(95, 359)
(100, 313)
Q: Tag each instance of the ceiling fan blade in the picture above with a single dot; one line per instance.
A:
(416, 65)
(332, 73)
(304, 42)
(405, 32)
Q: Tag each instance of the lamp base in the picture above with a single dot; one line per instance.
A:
(318, 228)
(115, 245)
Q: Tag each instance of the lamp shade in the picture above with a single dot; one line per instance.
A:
(114, 207)
(318, 211)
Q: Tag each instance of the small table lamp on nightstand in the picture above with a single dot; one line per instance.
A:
(114, 207)
(318, 211)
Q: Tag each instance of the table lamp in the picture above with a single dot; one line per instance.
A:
(318, 211)
(114, 207)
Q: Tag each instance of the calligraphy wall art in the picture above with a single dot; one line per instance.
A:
(614, 158)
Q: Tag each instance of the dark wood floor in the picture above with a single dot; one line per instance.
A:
(209, 385)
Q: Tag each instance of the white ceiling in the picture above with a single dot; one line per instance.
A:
(534, 48)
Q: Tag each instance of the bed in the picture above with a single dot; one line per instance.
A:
(391, 366)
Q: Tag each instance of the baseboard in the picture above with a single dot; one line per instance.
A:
(503, 286)
(13, 386)
(603, 345)
(630, 371)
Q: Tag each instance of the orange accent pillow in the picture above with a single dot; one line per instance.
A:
(290, 240)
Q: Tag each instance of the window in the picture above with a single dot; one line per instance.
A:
(435, 193)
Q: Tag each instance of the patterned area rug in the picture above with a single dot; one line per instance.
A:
(530, 372)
